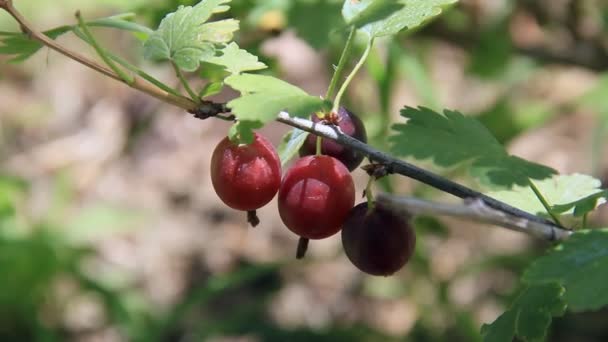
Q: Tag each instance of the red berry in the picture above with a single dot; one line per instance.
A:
(377, 242)
(315, 196)
(349, 124)
(245, 177)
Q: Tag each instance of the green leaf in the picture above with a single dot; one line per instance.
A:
(363, 13)
(373, 16)
(580, 264)
(219, 31)
(211, 88)
(263, 97)
(290, 144)
(529, 316)
(242, 131)
(582, 206)
(558, 190)
(22, 46)
(236, 60)
(452, 139)
(327, 18)
(181, 35)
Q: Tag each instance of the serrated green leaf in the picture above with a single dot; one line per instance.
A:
(179, 37)
(451, 139)
(264, 97)
(580, 264)
(327, 18)
(290, 144)
(529, 316)
(412, 14)
(236, 60)
(23, 47)
(560, 189)
(219, 31)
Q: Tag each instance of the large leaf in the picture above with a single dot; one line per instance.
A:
(451, 139)
(263, 97)
(386, 17)
(183, 37)
(326, 14)
(529, 316)
(236, 60)
(580, 264)
(559, 190)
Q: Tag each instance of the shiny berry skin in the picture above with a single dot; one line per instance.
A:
(316, 194)
(378, 242)
(351, 125)
(245, 177)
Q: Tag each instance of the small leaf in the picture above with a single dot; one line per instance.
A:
(290, 144)
(236, 60)
(529, 316)
(211, 88)
(22, 46)
(580, 264)
(181, 35)
(558, 190)
(584, 205)
(452, 139)
(242, 131)
(413, 13)
(264, 97)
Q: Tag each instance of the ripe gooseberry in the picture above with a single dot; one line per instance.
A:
(349, 124)
(315, 196)
(377, 241)
(245, 177)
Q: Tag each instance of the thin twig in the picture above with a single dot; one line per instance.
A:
(474, 210)
(400, 167)
(138, 83)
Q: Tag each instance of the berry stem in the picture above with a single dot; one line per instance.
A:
(352, 74)
(302, 247)
(369, 194)
(319, 145)
(341, 63)
(252, 218)
(544, 202)
(183, 80)
(128, 79)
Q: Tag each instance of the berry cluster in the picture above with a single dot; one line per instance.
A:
(316, 195)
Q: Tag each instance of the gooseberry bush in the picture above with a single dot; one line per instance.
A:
(316, 194)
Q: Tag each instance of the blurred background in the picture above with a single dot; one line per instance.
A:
(110, 229)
